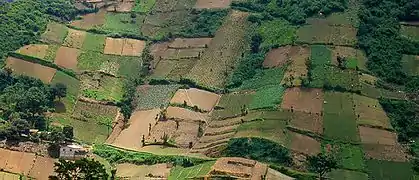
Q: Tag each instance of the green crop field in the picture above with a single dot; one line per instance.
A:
(232, 104)
(123, 23)
(277, 33)
(334, 77)
(350, 157)
(339, 112)
(55, 33)
(411, 32)
(388, 170)
(90, 60)
(94, 42)
(320, 55)
(267, 97)
(143, 6)
(108, 88)
(347, 175)
(181, 173)
(150, 97)
(264, 78)
(274, 130)
(410, 64)
(51, 53)
(72, 91)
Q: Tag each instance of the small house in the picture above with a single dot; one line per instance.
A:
(73, 152)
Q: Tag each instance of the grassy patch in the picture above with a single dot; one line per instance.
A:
(338, 113)
(274, 130)
(332, 77)
(320, 55)
(276, 33)
(129, 66)
(106, 89)
(268, 97)
(411, 32)
(181, 173)
(51, 53)
(90, 60)
(72, 91)
(143, 6)
(123, 23)
(149, 97)
(387, 170)
(410, 64)
(232, 104)
(350, 157)
(94, 42)
(264, 78)
(55, 33)
(347, 175)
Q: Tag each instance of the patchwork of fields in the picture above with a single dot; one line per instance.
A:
(309, 92)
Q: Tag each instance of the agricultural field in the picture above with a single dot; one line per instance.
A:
(274, 130)
(262, 78)
(304, 144)
(204, 100)
(354, 58)
(122, 23)
(297, 69)
(150, 97)
(411, 32)
(126, 6)
(338, 111)
(101, 87)
(370, 112)
(307, 121)
(132, 171)
(268, 97)
(212, 4)
(410, 64)
(142, 6)
(94, 42)
(231, 104)
(9, 176)
(276, 33)
(55, 33)
(228, 42)
(67, 57)
(387, 170)
(304, 100)
(181, 173)
(90, 20)
(23, 67)
(75, 39)
(347, 175)
(34, 50)
(124, 47)
(348, 156)
(66, 104)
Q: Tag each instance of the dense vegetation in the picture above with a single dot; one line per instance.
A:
(204, 23)
(23, 21)
(258, 149)
(295, 11)
(23, 102)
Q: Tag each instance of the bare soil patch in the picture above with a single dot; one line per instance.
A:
(122, 7)
(386, 152)
(308, 122)
(133, 47)
(133, 171)
(277, 57)
(212, 4)
(239, 167)
(183, 114)
(377, 136)
(186, 43)
(186, 133)
(67, 57)
(274, 175)
(161, 128)
(34, 50)
(43, 168)
(302, 99)
(3, 161)
(304, 144)
(91, 20)
(75, 38)
(114, 46)
(189, 53)
(138, 126)
(158, 50)
(297, 69)
(195, 97)
(19, 66)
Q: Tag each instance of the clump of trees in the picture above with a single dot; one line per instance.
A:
(321, 164)
(204, 23)
(295, 11)
(80, 169)
(23, 21)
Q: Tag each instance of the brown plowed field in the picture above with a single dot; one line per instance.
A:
(377, 136)
(304, 144)
(305, 100)
(298, 67)
(210, 4)
(138, 126)
(133, 171)
(370, 112)
(277, 57)
(185, 114)
(133, 47)
(67, 57)
(43, 168)
(74, 39)
(187, 132)
(161, 128)
(113, 46)
(195, 97)
(386, 152)
(91, 20)
(34, 50)
(19, 66)
(186, 43)
(306, 121)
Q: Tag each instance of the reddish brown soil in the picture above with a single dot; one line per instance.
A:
(386, 152)
(43, 168)
(67, 57)
(91, 20)
(277, 57)
(308, 122)
(19, 66)
(304, 144)
(35, 50)
(377, 136)
(298, 67)
(305, 100)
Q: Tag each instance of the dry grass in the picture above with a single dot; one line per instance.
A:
(113, 46)
(370, 112)
(183, 114)
(34, 50)
(75, 39)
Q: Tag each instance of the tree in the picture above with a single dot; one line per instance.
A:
(80, 169)
(59, 90)
(256, 41)
(321, 164)
(68, 132)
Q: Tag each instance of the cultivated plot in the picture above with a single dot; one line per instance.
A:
(386, 152)
(232, 104)
(67, 103)
(90, 20)
(132, 171)
(410, 64)
(377, 136)
(212, 4)
(204, 100)
(101, 87)
(389, 170)
(150, 97)
(75, 39)
(67, 57)
(369, 112)
(307, 121)
(182, 114)
(124, 47)
(55, 33)
(354, 58)
(34, 50)
(304, 144)
(305, 100)
(297, 69)
(23, 67)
